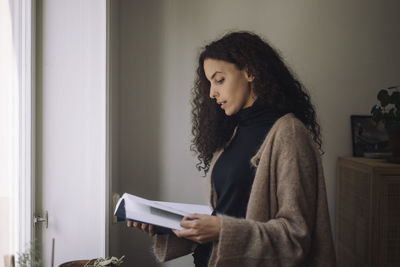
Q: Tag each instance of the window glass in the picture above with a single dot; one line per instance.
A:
(8, 133)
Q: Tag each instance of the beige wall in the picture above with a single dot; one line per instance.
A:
(343, 51)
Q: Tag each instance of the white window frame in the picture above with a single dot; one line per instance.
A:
(23, 18)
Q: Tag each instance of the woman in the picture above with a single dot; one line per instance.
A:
(257, 138)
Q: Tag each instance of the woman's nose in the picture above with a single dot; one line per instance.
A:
(213, 92)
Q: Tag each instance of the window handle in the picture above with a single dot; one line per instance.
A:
(39, 219)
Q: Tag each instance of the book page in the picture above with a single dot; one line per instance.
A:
(138, 210)
(186, 208)
(160, 213)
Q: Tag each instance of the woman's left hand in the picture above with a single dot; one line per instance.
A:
(200, 228)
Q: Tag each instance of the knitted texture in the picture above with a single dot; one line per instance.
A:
(287, 220)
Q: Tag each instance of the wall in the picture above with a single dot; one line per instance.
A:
(343, 52)
(136, 107)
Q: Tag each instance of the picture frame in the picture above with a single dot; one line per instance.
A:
(369, 139)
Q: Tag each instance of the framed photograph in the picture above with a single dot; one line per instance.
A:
(369, 138)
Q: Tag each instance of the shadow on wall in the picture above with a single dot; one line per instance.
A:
(136, 81)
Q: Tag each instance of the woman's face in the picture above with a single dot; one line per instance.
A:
(230, 86)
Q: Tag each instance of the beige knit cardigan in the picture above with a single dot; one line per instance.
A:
(287, 220)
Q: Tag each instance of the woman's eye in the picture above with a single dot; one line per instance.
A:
(219, 81)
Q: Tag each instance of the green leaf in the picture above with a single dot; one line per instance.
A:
(383, 97)
(377, 113)
(31, 257)
(105, 263)
(374, 109)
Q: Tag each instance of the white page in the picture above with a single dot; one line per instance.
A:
(187, 208)
(161, 213)
(137, 208)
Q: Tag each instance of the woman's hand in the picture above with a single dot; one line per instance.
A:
(200, 228)
(147, 228)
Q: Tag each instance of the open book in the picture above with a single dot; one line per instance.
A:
(163, 215)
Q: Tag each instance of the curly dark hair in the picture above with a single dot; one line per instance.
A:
(273, 83)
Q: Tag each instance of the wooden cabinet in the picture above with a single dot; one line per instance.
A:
(367, 213)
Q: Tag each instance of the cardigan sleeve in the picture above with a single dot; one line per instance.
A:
(167, 247)
(285, 239)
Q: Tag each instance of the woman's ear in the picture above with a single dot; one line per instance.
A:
(249, 76)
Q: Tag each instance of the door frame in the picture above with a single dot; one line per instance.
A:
(23, 20)
(108, 175)
(24, 188)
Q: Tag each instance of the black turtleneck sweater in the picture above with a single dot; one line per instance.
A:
(233, 173)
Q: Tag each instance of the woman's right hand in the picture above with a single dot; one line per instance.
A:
(144, 227)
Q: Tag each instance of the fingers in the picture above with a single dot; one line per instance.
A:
(131, 224)
(199, 228)
(188, 223)
(151, 230)
(183, 233)
(191, 220)
(193, 216)
(144, 227)
(190, 234)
